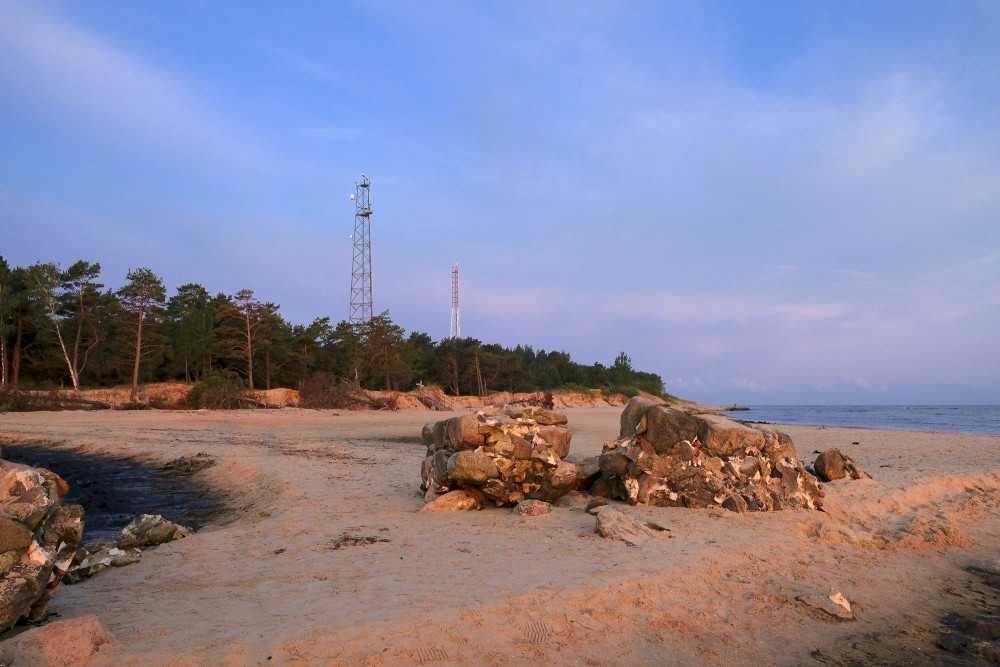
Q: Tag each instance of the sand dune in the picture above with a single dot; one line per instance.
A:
(322, 558)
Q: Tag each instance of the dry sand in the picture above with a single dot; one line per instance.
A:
(323, 558)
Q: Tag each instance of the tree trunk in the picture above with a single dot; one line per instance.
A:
(479, 376)
(15, 367)
(267, 370)
(134, 395)
(62, 346)
(75, 365)
(3, 361)
(249, 336)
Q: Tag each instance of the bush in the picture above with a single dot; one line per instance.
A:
(574, 388)
(627, 392)
(220, 390)
(322, 391)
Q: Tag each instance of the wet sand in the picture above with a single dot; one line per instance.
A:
(323, 559)
(115, 490)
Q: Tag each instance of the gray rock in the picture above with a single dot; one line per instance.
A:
(613, 524)
(721, 436)
(543, 417)
(666, 427)
(832, 465)
(632, 419)
(472, 467)
(458, 500)
(153, 529)
(833, 603)
(532, 508)
(593, 507)
(557, 437)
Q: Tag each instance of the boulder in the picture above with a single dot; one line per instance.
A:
(722, 436)
(558, 438)
(666, 427)
(462, 433)
(38, 540)
(458, 500)
(832, 465)
(632, 419)
(471, 467)
(677, 459)
(64, 643)
(515, 457)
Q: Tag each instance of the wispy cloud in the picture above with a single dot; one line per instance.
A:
(305, 65)
(332, 133)
(83, 82)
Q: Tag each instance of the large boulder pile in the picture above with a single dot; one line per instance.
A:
(502, 457)
(38, 539)
(666, 456)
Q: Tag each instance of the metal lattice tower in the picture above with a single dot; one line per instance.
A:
(456, 323)
(361, 265)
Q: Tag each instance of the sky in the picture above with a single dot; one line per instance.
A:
(764, 203)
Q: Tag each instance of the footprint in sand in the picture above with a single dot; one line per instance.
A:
(536, 632)
(430, 654)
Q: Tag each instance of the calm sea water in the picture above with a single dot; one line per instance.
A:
(950, 418)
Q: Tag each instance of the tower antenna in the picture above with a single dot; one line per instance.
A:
(456, 323)
(361, 264)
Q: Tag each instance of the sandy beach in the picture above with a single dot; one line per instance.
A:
(321, 557)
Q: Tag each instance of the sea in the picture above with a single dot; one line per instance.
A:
(947, 418)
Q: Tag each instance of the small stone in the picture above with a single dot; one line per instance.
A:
(833, 603)
(532, 508)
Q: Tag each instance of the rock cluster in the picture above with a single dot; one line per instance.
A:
(38, 539)
(500, 458)
(145, 530)
(668, 457)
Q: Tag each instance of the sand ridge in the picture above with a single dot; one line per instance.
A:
(323, 558)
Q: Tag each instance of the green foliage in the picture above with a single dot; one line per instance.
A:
(573, 388)
(628, 392)
(136, 334)
(219, 390)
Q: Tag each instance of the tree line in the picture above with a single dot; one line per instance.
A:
(62, 328)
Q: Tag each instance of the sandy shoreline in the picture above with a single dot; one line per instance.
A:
(323, 558)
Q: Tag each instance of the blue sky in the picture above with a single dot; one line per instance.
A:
(762, 202)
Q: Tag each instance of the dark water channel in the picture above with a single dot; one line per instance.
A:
(113, 491)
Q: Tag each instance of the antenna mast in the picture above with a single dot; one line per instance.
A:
(456, 323)
(361, 265)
